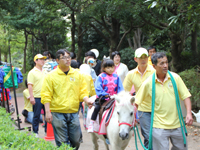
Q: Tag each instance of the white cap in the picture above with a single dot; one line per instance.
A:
(85, 68)
(140, 51)
(96, 52)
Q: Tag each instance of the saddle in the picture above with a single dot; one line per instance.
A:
(104, 107)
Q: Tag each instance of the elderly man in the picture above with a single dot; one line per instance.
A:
(62, 90)
(166, 125)
(136, 77)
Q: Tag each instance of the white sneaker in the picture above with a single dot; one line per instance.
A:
(36, 135)
(90, 128)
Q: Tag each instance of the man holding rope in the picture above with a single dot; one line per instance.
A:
(166, 119)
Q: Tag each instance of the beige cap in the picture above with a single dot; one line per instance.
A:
(140, 51)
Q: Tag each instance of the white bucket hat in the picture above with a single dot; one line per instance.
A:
(96, 52)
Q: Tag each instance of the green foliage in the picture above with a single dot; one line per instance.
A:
(191, 78)
(127, 57)
(14, 139)
(188, 60)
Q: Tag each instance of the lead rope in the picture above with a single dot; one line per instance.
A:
(152, 109)
(152, 114)
(179, 109)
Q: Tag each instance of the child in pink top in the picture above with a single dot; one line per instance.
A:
(107, 84)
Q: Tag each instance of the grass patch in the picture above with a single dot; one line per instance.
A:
(14, 139)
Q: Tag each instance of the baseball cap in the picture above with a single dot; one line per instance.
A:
(39, 56)
(140, 51)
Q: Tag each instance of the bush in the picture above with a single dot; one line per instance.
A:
(191, 78)
(15, 139)
(127, 57)
(188, 60)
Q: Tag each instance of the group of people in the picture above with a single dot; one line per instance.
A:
(60, 91)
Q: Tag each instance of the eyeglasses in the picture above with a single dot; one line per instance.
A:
(65, 57)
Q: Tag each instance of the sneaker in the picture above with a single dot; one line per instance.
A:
(107, 141)
(36, 135)
(43, 124)
(90, 128)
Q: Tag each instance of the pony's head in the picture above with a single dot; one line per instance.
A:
(125, 111)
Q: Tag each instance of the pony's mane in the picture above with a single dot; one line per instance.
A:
(124, 98)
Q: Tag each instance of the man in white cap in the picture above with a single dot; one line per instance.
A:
(135, 78)
(35, 79)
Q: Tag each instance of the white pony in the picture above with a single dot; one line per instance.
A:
(119, 128)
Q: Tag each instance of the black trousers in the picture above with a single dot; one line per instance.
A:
(97, 109)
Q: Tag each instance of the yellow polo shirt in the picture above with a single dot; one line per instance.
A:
(35, 78)
(165, 111)
(134, 78)
(27, 105)
(149, 60)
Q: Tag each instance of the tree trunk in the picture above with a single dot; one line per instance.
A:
(137, 38)
(128, 39)
(80, 42)
(6, 57)
(114, 37)
(73, 29)
(177, 48)
(0, 54)
(33, 46)
(194, 42)
(45, 47)
(26, 41)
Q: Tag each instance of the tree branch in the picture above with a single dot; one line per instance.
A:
(100, 33)
(152, 24)
(32, 33)
(68, 5)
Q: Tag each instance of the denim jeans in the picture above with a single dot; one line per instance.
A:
(36, 117)
(145, 124)
(66, 129)
(30, 117)
(80, 107)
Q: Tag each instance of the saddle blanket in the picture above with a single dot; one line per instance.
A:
(99, 128)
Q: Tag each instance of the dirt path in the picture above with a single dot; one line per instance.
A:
(193, 132)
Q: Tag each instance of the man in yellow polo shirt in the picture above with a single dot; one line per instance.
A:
(151, 50)
(166, 124)
(136, 77)
(62, 90)
(35, 79)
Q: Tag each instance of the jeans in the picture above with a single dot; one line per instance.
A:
(66, 129)
(30, 117)
(36, 117)
(80, 107)
(145, 124)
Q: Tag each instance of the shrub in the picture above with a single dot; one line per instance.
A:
(15, 139)
(191, 78)
(127, 57)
